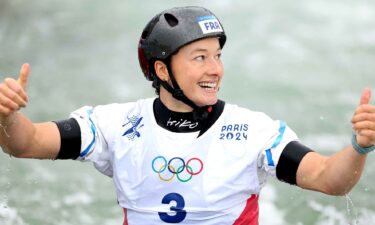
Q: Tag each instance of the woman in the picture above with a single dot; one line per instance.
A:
(185, 156)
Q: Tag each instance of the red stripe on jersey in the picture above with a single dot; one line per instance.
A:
(125, 217)
(250, 214)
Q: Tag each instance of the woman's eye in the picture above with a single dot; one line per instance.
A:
(200, 58)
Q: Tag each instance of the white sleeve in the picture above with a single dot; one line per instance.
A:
(269, 157)
(94, 147)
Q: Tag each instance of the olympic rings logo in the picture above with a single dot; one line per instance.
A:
(184, 171)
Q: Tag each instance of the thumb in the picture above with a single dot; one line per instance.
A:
(366, 96)
(24, 75)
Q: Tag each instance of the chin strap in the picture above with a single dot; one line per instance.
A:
(199, 113)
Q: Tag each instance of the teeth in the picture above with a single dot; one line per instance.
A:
(207, 84)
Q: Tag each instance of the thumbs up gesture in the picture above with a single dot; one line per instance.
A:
(13, 94)
(363, 120)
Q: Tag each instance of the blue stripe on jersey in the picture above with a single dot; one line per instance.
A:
(269, 158)
(276, 143)
(93, 131)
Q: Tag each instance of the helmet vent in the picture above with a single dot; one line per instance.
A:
(171, 19)
(144, 34)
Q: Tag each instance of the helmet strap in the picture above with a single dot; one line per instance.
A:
(199, 113)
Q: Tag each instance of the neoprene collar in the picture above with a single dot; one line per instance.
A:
(186, 122)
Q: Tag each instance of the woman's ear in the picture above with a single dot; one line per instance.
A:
(161, 70)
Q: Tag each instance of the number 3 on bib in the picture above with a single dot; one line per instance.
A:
(180, 214)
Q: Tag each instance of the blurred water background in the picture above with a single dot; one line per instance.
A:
(305, 62)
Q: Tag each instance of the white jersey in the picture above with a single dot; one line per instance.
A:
(163, 177)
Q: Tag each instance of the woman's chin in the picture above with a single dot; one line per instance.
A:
(209, 101)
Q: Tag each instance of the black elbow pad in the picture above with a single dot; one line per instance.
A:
(70, 134)
(289, 161)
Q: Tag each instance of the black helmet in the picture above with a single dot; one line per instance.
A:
(172, 29)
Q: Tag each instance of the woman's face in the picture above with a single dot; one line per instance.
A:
(198, 70)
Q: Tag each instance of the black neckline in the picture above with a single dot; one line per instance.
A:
(185, 122)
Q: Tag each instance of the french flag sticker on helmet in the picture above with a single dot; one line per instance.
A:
(209, 24)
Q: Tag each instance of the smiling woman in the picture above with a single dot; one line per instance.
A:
(198, 71)
(183, 42)
(182, 156)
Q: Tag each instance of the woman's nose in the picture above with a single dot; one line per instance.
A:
(215, 66)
